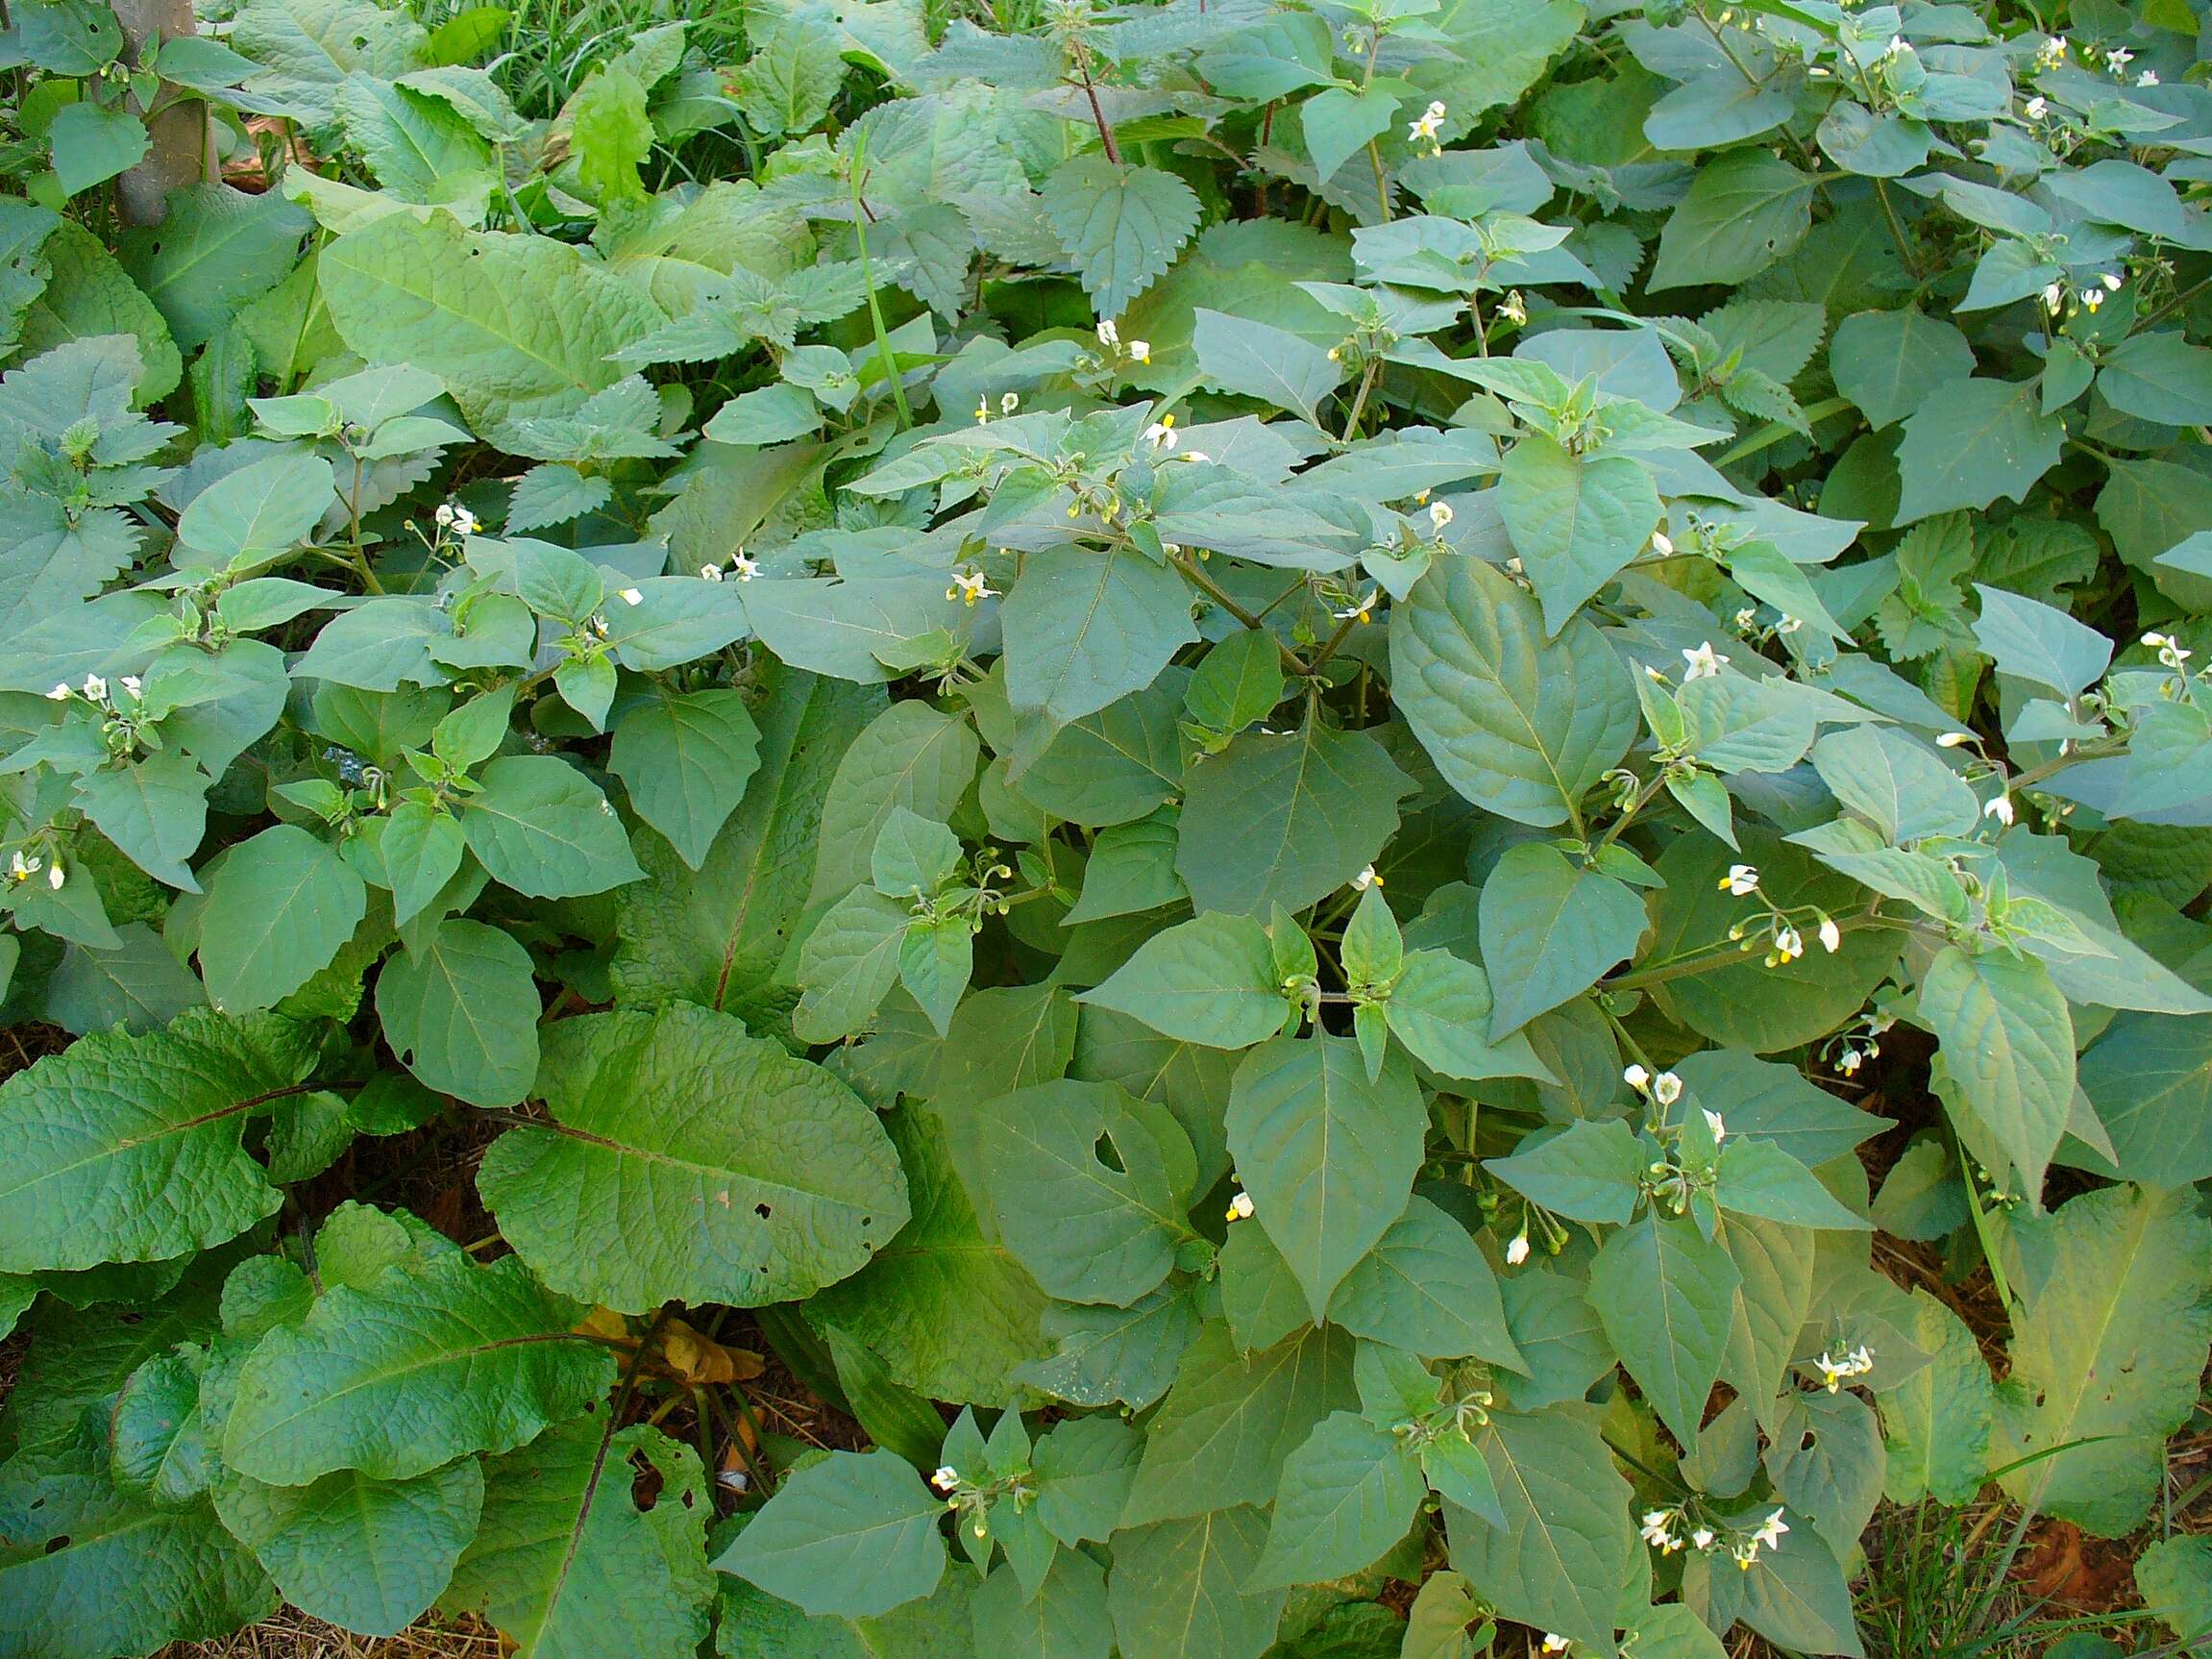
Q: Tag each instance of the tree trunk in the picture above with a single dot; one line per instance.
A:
(182, 134)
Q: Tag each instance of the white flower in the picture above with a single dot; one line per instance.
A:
(1424, 131)
(2036, 106)
(1439, 515)
(2055, 298)
(1789, 624)
(59, 694)
(969, 586)
(1109, 334)
(1517, 1250)
(1666, 1088)
(632, 596)
(1702, 1538)
(1849, 1060)
(1366, 879)
(1140, 351)
(1770, 1531)
(1705, 663)
(1161, 433)
(1658, 1530)
(54, 877)
(1741, 879)
(2111, 282)
(1952, 739)
(1360, 611)
(22, 868)
(710, 572)
(95, 689)
(1637, 1078)
(2000, 808)
(2149, 78)
(1196, 454)
(2093, 297)
(444, 513)
(1788, 947)
(746, 568)
(1713, 1122)
(2171, 653)
(983, 411)
(1555, 1643)
(1745, 617)
(1516, 309)
(132, 685)
(2119, 58)
(1831, 935)
(1663, 544)
(2051, 53)
(1241, 1207)
(460, 521)
(946, 1478)
(1008, 403)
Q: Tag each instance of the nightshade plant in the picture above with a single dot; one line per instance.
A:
(1240, 743)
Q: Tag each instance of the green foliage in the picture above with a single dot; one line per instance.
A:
(1218, 739)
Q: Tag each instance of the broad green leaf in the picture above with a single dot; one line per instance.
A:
(686, 761)
(1349, 1492)
(1759, 1178)
(1067, 1619)
(2149, 1080)
(1664, 1293)
(216, 248)
(1285, 820)
(154, 810)
(93, 1570)
(2174, 1576)
(258, 513)
(1561, 1559)
(1222, 1434)
(541, 827)
(1210, 979)
(2158, 377)
(460, 1009)
(369, 1554)
(1520, 727)
(127, 1147)
(410, 1372)
(1969, 442)
(1120, 225)
(2007, 1038)
(1745, 210)
(516, 326)
(1085, 629)
(1936, 1422)
(1825, 1459)
(1259, 360)
(766, 1176)
(1441, 1009)
(848, 963)
(279, 909)
(571, 1562)
(1327, 1154)
(911, 756)
(2040, 642)
(1104, 1355)
(2105, 1354)
(852, 1535)
(1425, 1287)
(1590, 1172)
(1177, 1588)
(1575, 522)
(1090, 1187)
(1887, 362)
(1338, 120)
(1549, 930)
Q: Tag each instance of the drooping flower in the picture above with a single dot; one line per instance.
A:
(2036, 106)
(60, 693)
(1831, 935)
(1161, 433)
(1713, 1122)
(1517, 1249)
(632, 596)
(1140, 351)
(2000, 808)
(1741, 879)
(1663, 544)
(1109, 334)
(1009, 402)
(1241, 1207)
(55, 876)
(1366, 879)
(1636, 1078)
(1788, 947)
(1516, 309)
(1952, 739)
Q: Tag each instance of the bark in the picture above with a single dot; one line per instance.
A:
(182, 134)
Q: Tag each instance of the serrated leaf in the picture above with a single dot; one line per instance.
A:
(1120, 225)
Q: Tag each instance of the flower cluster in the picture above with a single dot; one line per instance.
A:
(1835, 1372)
(2171, 653)
(1109, 339)
(1665, 1089)
(454, 519)
(1008, 403)
(1422, 134)
(743, 568)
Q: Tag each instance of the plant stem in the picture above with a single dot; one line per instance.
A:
(1098, 113)
(868, 277)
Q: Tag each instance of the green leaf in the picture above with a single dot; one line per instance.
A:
(419, 147)
(410, 1371)
(2174, 1576)
(276, 912)
(789, 83)
(1520, 727)
(611, 133)
(1574, 522)
(1590, 1171)
(1090, 1187)
(516, 326)
(1086, 628)
(1564, 1553)
(2149, 1080)
(1550, 929)
(2158, 377)
(1120, 225)
(1338, 120)
(215, 249)
(93, 1570)
(568, 1562)
(541, 827)
(1210, 979)
(2105, 1354)
(1759, 1178)
(127, 1147)
(1177, 1589)
(2040, 642)
(852, 1535)
(1665, 1293)
(1327, 1153)
(2007, 1038)
(1426, 1288)
(1745, 210)
(92, 144)
(686, 761)
(371, 1555)
(1285, 820)
(460, 1009)
(911, 756)
(154, 810)
(848, 963)
(1348, 1494)
(1969, 442)
(1257, 360)
(1936, 1422)
(1887, 362)
(1067, 1618)
(1222, 1434)
(771, 1177)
